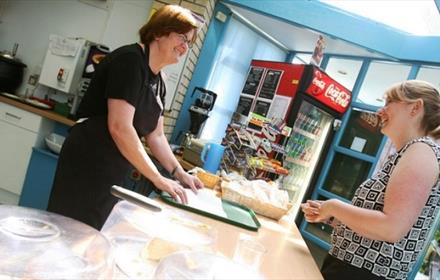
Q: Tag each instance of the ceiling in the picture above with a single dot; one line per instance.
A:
(298, 38)
(424, 15)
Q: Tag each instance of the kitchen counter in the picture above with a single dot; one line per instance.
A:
(49, 114)
(287, 255)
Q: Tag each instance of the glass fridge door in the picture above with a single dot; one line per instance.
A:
(303, 149)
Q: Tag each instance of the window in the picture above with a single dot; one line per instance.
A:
(430, 74)
(345, 71)
(239, 46)
(380, 76)
(362, 133)
(302, 58)
(345, 175)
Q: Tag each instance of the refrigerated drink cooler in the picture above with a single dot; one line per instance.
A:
(310, 102)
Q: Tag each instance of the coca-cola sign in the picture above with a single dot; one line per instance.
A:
(337, 96)
(329, 92)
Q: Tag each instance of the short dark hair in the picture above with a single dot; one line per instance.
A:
(169, 18)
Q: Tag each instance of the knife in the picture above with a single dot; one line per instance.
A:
(135, 198)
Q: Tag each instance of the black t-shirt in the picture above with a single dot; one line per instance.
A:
(125, 74)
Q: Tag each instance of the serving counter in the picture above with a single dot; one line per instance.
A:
(286, 254)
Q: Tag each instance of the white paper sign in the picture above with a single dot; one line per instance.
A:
(358, 144)
(279, 106)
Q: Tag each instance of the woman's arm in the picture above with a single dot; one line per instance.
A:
(407, 192)
(159, 146)
(120, 125)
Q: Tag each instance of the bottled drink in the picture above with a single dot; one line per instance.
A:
(305, 123)
(309, 127)
(299, 120)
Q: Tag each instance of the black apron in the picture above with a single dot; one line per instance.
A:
(90, 162)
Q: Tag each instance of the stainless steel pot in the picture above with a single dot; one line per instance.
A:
(11, 71)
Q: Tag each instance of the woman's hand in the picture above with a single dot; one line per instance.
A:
(311, 210)
(317, 211)
(172, 187)
(188, 180)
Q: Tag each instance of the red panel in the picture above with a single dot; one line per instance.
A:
(290, 77)
(328, 91)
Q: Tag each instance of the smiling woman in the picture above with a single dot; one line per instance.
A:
(123, 103)
(392, 212)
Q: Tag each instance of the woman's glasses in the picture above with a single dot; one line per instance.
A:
(185, 40)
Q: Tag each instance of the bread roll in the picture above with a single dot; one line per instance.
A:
(158, 248)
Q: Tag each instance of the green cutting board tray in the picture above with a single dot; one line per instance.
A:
(237, 215)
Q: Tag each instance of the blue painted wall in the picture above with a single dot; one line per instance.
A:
(349, 27)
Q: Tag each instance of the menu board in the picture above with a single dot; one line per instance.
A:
(261, 108)
(252, 81)
(244, 105)
(270, 84)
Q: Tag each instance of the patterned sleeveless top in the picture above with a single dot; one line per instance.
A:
(389, 260)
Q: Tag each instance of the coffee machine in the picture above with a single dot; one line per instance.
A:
(69, 65)
(201, 108)
(199, 112)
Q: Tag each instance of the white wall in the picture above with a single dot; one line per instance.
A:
(29, 23)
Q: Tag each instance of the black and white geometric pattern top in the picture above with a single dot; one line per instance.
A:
(389, 260)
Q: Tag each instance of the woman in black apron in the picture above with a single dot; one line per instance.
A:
(124, 102)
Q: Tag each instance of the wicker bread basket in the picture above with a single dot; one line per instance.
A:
(260, 207)
(208, 179)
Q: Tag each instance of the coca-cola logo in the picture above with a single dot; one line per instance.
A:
(337, 96)
(317, 80)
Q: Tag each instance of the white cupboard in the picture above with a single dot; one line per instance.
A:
(19, 132)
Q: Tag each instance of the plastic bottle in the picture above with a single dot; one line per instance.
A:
(299, 120)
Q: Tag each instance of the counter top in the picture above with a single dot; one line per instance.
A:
(49, 114)
(287, 255)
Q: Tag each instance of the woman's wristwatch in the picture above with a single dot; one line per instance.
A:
(173, 172)
(330, 221)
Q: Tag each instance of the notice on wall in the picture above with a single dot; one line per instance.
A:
(244, 105)
(358, 144)
(270, 84)
(173, 74)
(279, 107)
(253, 80)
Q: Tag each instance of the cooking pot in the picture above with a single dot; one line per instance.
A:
(11, 72)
